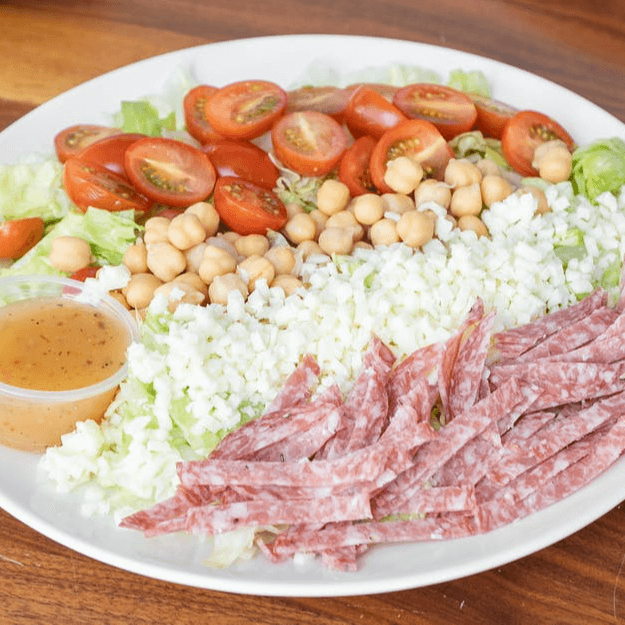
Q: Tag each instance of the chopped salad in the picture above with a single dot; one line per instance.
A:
(258, 226)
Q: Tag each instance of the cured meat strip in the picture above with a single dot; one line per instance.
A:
(572, 336)
(468, 368)
(557, 434)
(431, 457)
(512, 343)
(298, 387)
(564, 382)
(215, 519)
(440, 499)
(333, 537)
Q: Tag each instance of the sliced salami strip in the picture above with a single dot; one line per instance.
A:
(526, 426)
(573, 336)
(440, 499)
(555, 435)
(564, 382)
(210, 520)
(274, 427)
(298, 387)
(512, 343)
(468, 368)
(332, 537)
(431, 457)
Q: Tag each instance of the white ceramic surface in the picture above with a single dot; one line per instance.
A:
(385, 568)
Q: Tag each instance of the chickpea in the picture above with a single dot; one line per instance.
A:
(194, 280)
(553, 161)
(136, 257)
(542, 206)
(367, 208)
(471, 222)
(251, 244)
(119, 296)
(309, 248)
(194, 256)
(224, 243)
(165, 261)
(300, 227)
(332, 197)
(288, 283)
(216, 262)
(415, 228)
(282, 258)
(222, 286)
(293, 208)
(231, 236)
(140, 289)
(397, 203)
(70, 253)
(403, 174)
(335, 240)
(207, 215)
(185, 231)
(461, 173)
(156, 229)
(342, 219)
(362, 245)
(320, 220)
(431, 190)
(488, 167)
(189, 294)
(384, 232)
(256, 268)
(466, 200)
(494, 189)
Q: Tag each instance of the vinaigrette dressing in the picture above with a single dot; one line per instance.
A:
(57, 344)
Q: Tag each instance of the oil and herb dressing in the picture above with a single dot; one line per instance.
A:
(58, 344)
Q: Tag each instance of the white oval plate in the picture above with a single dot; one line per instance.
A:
(179, 558)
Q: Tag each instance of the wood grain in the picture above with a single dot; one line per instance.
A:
(48, 46)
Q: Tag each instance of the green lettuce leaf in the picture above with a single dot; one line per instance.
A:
(599, 167)
(473, 81)
(142, 117)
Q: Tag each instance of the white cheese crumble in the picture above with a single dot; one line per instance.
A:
(202, 370)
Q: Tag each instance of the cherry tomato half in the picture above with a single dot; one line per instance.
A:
(19, 235)
(451, 111)
(86, 272)
(109, 152)
(354, 167)
(369, 113)
(90, 184)
(524, 132)
(72, 140)
(416, 138)
(387, 91)
(329, 100)
(244, 160)
(245, 109)
(194, 105)
(492, 115)
(169, 172)
(308, 142)
(247, 208)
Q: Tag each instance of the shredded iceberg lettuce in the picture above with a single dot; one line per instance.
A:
(473, 81)
(599, 167)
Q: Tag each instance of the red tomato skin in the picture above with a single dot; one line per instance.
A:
(329, 100)
(369, 113)
(450, 110)
(195, 183)
(86, 272)
(386, 91)
(293, 148)
(194, 105)
(243, 160)
(354, 167)
(88, 184)
(109, 152)
(70, 141)
(492, 115)
(524, 132)
(245, 109)
(17, 236)
(247, 208)
(417, 137)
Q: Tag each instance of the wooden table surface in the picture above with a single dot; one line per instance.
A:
(48, 46)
